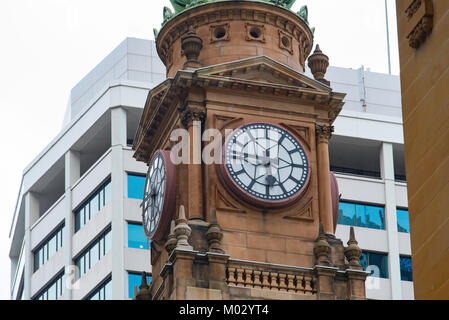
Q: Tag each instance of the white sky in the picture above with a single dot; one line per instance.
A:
(47, 46)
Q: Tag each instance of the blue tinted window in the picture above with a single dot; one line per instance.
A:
(346, 214)
(403, 221)
(361, 215)
(375, 217)
(136, 186)
(406, 268)
(375, 263)
(136, 237)
(135, 279)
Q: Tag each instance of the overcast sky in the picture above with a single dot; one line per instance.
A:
(47, 46)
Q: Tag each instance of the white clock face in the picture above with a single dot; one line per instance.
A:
(266, 162)
(154, 196)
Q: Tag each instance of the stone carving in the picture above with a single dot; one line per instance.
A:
(420, 19)
(190, 113)
(321, 249)
(353, 252)
(191, 45)
(324, 133)
(171, 243)
(318, 64)
(214, 235)
(182, 231)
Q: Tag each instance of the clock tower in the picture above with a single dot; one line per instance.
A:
(239, 200)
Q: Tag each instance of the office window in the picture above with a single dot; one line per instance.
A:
(403, 220)
(375, 263)
(53, 290)
(136, 237)
(92, 205)
(103, 292)
(92, 254)
(406, 268)
(361, 215)
(136, 186)
(135, 279)
(47, 249)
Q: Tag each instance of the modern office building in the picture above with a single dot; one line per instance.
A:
(79, 200)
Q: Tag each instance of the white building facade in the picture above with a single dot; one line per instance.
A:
(76, 232)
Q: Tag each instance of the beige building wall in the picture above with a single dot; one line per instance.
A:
(425, 90)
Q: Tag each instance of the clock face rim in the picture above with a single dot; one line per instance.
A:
(247, 197)
(167, 211)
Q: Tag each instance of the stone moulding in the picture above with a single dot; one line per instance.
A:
(162, 98)
(228, 11)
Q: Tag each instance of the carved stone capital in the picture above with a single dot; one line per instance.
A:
(192, 112)
(324, 133)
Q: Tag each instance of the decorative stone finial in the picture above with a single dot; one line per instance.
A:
(144, 289)
(321, 248)
(171, 243)
(191, 44)
(182, 231)
(318, 64)
(214, 235)
(353, 251)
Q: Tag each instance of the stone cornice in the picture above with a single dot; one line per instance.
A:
(163, 99)
(226, 11)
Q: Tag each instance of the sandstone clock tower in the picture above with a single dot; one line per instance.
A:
(258, 221)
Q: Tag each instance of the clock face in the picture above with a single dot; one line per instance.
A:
(265, 165)
(158, 198)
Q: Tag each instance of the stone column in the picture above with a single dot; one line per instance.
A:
(182, 272)
(325, 278)
(323, 134)
(192, 116)
(118, 141)
(72, 174)
(356, 284)
(31, 216)
(387, 174)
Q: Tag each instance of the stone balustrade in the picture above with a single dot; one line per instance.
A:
(270, 277)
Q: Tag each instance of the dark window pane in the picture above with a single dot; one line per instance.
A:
(346, 214)
(37, 256)
(136, 237)
(136, 185)
(406, 269)
(403, 221)
(377, 264)
(77, 220)
(375, 217)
